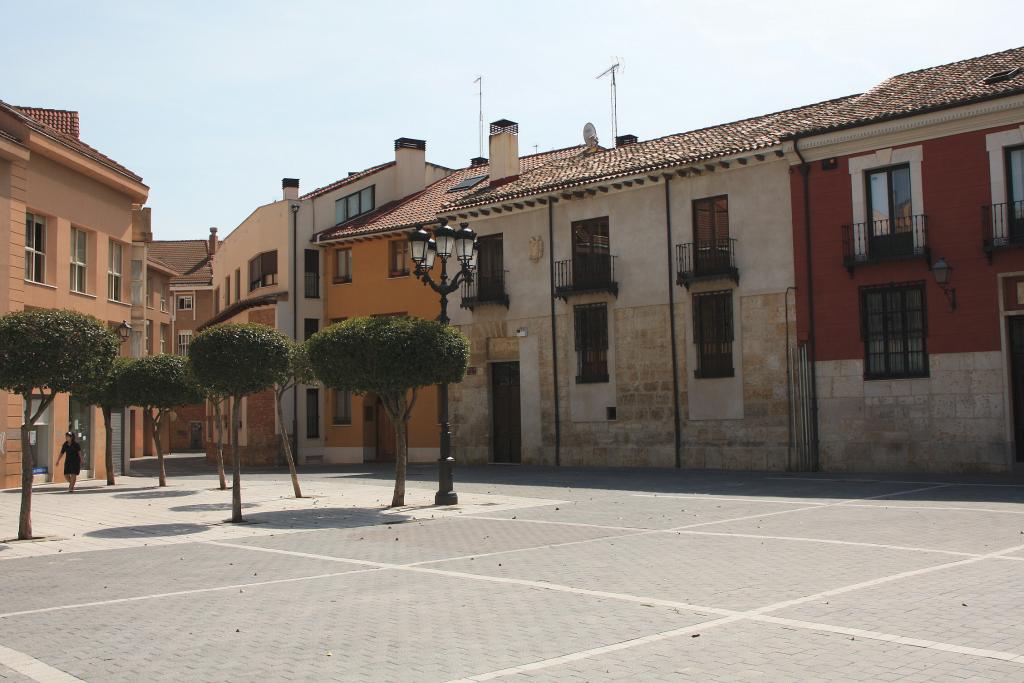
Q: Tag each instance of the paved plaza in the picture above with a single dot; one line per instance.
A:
(538, 574)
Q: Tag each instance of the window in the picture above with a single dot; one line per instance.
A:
(238, 284)
(591, 343)
(591, 256)
(115, 266)
(490, 277)
(263, 270)
(355, 204)
(894, 329)
(35, 248)
(163, 299)
(343, 266)
(165, 335)
(312, 273)
(184, 339)
(216, 300)
(312, 413)
(1015, 192)
(890, 212)
(185, 302)
(342, 408)
(467, 183)
(149, 337)
(227, 292)
(310, 327)
(79, 258)
(398, 258)
(713, 333)
(149, 291)
(710, 219)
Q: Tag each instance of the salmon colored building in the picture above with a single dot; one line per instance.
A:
(74, 237)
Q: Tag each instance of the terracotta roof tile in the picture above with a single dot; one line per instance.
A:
(189, 258)
(424, 206)
(350, 178)
(66, 139)
(63, 120)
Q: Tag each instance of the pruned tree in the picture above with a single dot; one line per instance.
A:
(44, 352)
(158, 385)
(216, 402)
(298, 372)
(237, 360)
(392, 357)
(106, 393)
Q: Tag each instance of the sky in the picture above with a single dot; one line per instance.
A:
(214, 102)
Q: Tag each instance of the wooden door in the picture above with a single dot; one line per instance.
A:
(1017, 381)
(385, 436)
(506, 416)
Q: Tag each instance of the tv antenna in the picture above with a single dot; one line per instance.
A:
(611, 71)
(480, 97)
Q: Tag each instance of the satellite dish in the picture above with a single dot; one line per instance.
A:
(590, 135)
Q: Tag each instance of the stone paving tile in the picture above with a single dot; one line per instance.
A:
(1009, 497)
(380, 625)
(12, 675)
(725, 572)
(747, 651)
(419, 541)
(646, 513)
(975, 605)
(38, 582)
(972, 532)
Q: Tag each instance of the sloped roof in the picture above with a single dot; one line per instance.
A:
(424, 206)
(63, 120)
(746, 135)
(350, 178)
(189, 258)
(65, 139)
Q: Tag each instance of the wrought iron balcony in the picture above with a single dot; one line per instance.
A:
(485, 288)
(706, 260)
(1002, 226)
(585, 274)
(885, 240)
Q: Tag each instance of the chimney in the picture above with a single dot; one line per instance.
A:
(410, 166)
(477, 161)
(290, 188)
(504, 144)
(213, 241)
(623, 140)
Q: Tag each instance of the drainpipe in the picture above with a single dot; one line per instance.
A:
(805, 172)
(672, 326)
(295, 326)
(554, 331)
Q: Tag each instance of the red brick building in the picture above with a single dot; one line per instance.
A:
(923, 181)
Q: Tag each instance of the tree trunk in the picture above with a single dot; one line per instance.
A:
(286, 443)
(109, 432)
(236, 474)
(396, 407)
(159, 448)
(218, 415)
(27, 463)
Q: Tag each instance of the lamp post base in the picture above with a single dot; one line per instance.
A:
(445, 490)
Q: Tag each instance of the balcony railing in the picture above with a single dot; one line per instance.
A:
(1002, 226)
(885, 240)
(706, 260)
(312, 285)
(485, 288)
(585, 274)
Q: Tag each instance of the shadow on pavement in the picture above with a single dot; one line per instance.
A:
(208, 507)
(326, 518)
(156, 493)
(113, 490)
(148, 530)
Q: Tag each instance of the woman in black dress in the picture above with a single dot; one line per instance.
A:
(73, 465)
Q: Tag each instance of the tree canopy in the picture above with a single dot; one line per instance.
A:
(384, 355)
(106, 392)
(237, 359)
(54, 350)
(157, 382)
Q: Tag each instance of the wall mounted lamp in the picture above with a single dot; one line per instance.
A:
(942, 271)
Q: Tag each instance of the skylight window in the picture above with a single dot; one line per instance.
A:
(467, 183)
(1000, 76)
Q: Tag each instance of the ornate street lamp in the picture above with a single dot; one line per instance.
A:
(942, 271)
(424, 251)
(124, 331)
